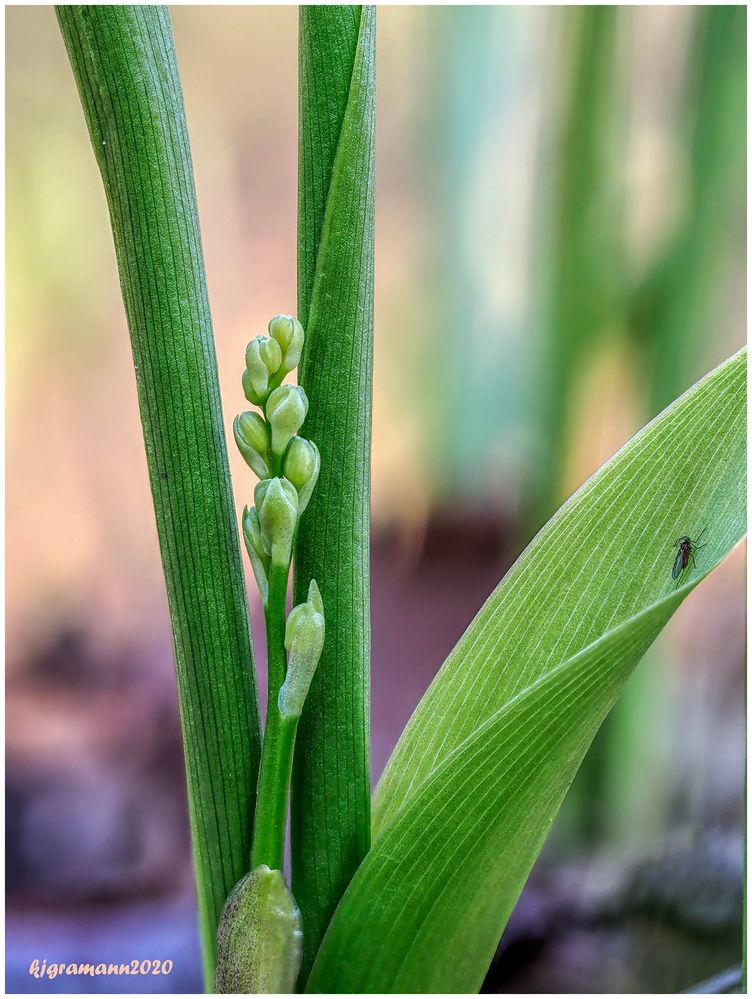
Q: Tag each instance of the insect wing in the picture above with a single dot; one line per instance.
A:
(680, 563)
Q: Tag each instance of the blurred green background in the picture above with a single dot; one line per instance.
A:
(560, 252)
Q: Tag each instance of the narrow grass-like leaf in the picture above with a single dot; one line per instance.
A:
(470, 792)
(331, 791)
(581, 300)
(123, 58)
(678, 300)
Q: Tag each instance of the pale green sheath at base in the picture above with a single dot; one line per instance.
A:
(260, 938)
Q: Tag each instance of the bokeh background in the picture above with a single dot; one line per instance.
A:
(561, 251)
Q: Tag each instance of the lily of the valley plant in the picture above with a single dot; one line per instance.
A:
(409, 892)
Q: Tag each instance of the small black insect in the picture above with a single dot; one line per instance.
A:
(687, 549)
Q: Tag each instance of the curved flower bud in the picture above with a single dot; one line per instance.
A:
(260, 937)
(266, 350)
(288, 333)
(251, 433)
(301, 466)
(304, 640)
(256, 552)
(286, 410)
(277, 506)
(262, 359)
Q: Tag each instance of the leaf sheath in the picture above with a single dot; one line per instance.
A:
(124, 62)
(331, 791)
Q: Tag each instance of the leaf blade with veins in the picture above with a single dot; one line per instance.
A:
(470, 792)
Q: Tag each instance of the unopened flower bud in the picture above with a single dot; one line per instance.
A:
(265, 349)
(288, 333)
(256, 552)
(304, 640)
(301, 466)
(262, 359)
(252, 437)
(277, 506)
(260, 937)
(286, 410)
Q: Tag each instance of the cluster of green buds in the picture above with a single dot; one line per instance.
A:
(259, 937)
(287, 465)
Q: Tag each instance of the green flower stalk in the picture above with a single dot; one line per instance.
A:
(260, 939)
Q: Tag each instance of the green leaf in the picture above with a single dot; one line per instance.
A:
(123, 59)
(584, 263)
(679, 297)
(471, 790)
(330, 811)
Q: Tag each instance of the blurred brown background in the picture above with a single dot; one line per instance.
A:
(560, 252)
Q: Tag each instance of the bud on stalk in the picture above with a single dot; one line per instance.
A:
(254, 545)
(277, 507)
(288, 333)
(304, 640)
(286, 410)
(252, 437)
(301, 466)
(262, 359)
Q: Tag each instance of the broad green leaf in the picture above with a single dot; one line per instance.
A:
(330, 810)
(471, 790)
(123, 58)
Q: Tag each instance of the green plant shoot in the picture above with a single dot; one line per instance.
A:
(260, 935)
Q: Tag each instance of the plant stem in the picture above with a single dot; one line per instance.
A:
(123, 58)
(279, 737)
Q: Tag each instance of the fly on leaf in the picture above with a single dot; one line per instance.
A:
(687, 549)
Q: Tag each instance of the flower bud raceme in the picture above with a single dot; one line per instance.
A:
(252, 437)
(304, 640)
(262, 360)
(286, 410)
(256, 552)
(288, 333)
(259, 938)
(301, 466)
(277, 507)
